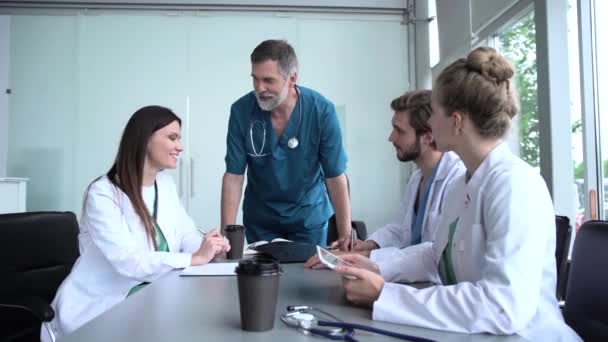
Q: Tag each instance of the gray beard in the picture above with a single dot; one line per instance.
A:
(268, 105)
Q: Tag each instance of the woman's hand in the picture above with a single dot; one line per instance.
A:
(360, 261)
(364, 289)
(365, 246)
(213, 245)
(316, 264)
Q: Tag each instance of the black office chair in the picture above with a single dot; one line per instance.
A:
(562, 246)
(586, 307)
(332, 228)
(38, 252)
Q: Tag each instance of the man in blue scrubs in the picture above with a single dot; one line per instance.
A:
(288, 139)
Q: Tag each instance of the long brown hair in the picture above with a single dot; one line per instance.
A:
(127, 171)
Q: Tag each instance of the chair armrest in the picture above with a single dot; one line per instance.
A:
(35, 305)
(360, 228)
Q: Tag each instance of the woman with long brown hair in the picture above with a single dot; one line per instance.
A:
(133, 228)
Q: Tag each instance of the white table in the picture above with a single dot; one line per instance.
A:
(199, 309)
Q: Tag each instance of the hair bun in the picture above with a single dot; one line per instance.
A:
(490, 64)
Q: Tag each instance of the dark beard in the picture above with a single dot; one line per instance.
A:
(412, 154)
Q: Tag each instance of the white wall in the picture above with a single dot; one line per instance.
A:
(43, 120)
(4, 84)
(484, 12)
(88, 74)
(464, 24)
(198, 4)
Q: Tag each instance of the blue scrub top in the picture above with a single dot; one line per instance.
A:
(286, 186)
(418, 217)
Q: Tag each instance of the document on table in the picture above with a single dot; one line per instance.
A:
(212, 269)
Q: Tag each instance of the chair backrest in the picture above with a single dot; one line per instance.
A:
(38, 252)
(332, 228)
(562, 245)
(586, 307)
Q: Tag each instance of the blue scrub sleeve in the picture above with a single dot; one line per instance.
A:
(333, 157)
(236, 155)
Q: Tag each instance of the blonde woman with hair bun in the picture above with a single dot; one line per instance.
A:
(493, 258)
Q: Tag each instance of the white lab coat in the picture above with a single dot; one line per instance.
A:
(115, 252)
(503, 255)
(398, 233)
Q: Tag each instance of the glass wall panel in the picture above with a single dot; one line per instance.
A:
(601, 56)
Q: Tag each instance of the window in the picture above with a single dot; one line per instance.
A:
(433, 34)
(580, 201)
(518, 44)
(601, 58)
(593, 33)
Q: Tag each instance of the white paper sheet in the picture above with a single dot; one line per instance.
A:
(213, 269)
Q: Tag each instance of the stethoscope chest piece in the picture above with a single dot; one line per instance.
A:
(293, 142)
(306, 320)
(314, 321)
(300, 319)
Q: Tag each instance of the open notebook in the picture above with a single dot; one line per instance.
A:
(252, 246)
(285, 251)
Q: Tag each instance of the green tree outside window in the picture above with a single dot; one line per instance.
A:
(518, 44)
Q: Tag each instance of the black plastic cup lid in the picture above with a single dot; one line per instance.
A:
(234, 227)
(258, 267)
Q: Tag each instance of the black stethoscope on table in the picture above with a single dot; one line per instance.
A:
(314, 321)
(291, 143)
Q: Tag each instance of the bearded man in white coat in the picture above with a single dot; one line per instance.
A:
(416, 221)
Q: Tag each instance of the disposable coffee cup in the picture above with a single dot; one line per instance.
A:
(258, 283)
(235, 233)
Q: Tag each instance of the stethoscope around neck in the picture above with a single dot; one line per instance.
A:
(314, 321)
(292, 143)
